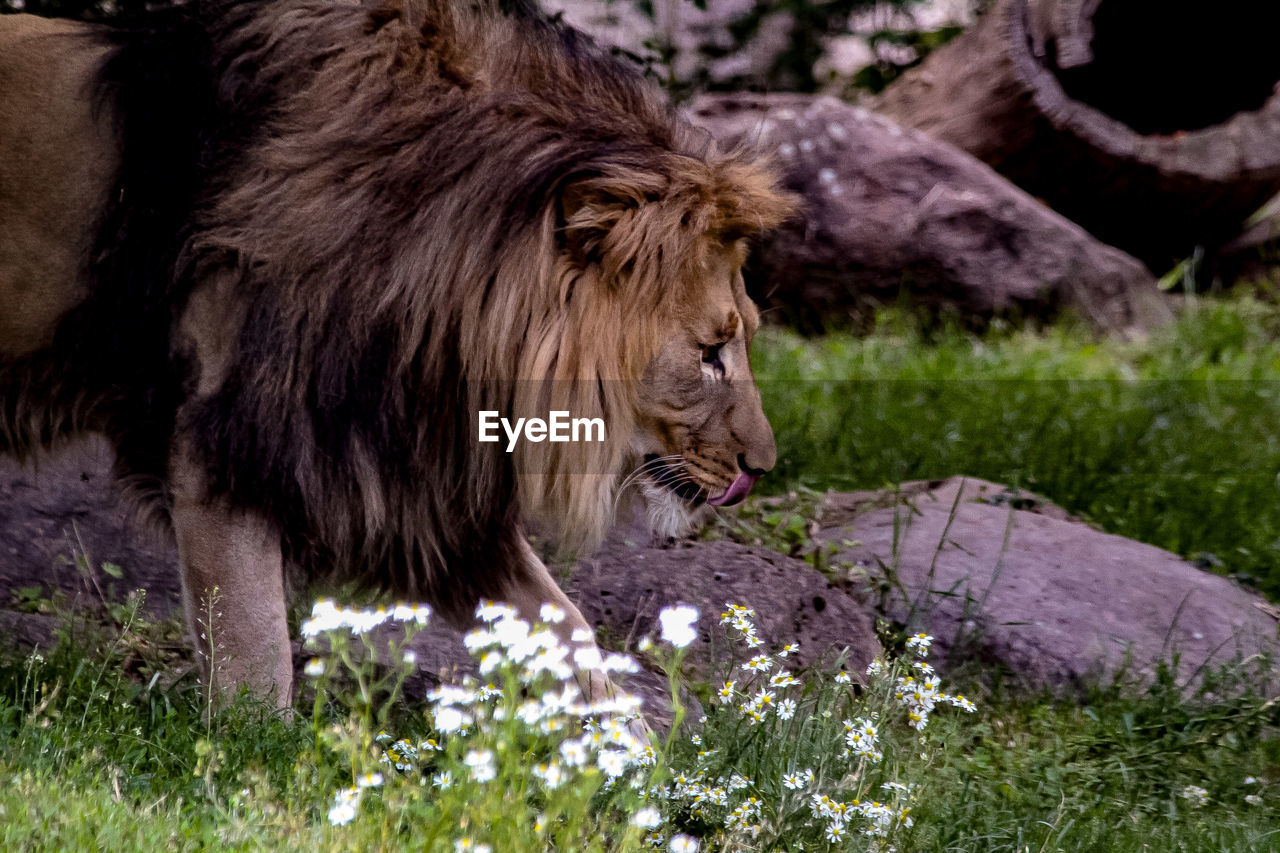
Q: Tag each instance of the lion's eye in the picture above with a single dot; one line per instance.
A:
(711, 358)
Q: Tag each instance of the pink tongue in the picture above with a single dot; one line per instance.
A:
(737, 490)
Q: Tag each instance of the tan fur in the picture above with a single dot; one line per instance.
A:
(57, 163)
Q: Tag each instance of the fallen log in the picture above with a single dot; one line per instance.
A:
(889, 212)
(1153, 123)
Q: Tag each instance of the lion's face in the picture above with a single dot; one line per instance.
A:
(701, 433)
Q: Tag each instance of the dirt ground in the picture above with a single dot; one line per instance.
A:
(66, 508)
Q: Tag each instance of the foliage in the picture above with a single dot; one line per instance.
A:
(780, 44)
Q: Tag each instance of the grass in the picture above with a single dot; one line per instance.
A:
(96, 754)
(1170, 440)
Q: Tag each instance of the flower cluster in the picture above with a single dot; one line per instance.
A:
(758, 693)
(536, 707)
(818, 783)
(528, 723)
(346, 801)
(327, 617)
(919, 691)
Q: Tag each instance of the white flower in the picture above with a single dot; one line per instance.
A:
(490, 611)
(612, 761)
(551, 774)
(759, 663)
(1253, 799)
(314, 668)
(793, 781)
(369, 780)
(678, 625)
(683, 844)
(327, 616)
(324, 617)
(419, 613)
(782, 678)
(450, 719)
(574, 753)
(442, 780)
(342, 814)
(786, 709)
(920, 642)
(481, 763)
(1195, 795)
(616, 662)
(343, 810)
(646, 818)
(551, 615)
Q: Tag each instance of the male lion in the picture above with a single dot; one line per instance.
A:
(283, 253)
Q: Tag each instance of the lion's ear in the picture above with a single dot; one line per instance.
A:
(595, 207)
(614, 219)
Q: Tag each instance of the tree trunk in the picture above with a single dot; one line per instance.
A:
(890, 213)
(1153, 123)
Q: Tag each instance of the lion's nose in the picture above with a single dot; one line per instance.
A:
(757, 471)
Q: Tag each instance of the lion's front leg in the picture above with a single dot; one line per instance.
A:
(534, 587)
(232, 593)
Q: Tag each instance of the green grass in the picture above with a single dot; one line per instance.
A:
(1174, 440)
(95, 755)
(104, 744)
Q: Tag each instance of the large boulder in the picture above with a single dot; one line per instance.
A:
(622, 588)
(1005, 578)
(889, 212)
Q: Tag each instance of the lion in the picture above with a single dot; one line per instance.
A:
(282, 253)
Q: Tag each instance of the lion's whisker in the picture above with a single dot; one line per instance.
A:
(640, 470)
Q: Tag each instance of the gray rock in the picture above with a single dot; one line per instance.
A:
(67, 508)
(1050, 599)
(622, 589)
(888, 211)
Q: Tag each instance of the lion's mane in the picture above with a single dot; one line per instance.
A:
(417, 210)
